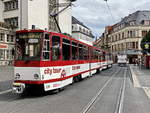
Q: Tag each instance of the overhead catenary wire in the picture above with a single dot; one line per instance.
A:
(109, 9)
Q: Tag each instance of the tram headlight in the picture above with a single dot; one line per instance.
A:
(17, 76)
(36, 76)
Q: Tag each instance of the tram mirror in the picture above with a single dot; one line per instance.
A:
(32, 41)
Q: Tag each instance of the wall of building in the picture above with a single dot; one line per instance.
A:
(38, 13)
(82, 35)
(65, 19)
(1, 11)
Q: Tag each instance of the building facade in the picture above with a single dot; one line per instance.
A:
(104, 41)
(7, 42)
(23, 14)
(125, 36)
(81, 32)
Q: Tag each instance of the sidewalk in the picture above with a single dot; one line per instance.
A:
(141, 78)
(6, 73)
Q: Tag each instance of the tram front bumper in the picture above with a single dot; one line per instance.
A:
(18, 88)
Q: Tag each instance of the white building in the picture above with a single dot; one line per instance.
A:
(81, 32)
(22, 14)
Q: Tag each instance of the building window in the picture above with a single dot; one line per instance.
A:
(144, 33)
(8, 37)
(119, 37)
(145, 22)
(122, 35)
(2, 37)
(132, 23)
(12, 38)
(12, 21)
(136, 45)
(80, 29)
(2, 54)
(11, 5)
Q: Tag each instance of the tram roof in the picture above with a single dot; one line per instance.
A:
(57, 34)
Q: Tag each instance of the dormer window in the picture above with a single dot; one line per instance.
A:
(145, 22)
(132, 23)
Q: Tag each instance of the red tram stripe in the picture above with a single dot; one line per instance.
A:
(50, 63)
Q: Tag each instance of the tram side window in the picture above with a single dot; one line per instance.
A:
(100, 55)
(85, 53)
(66, 49)
(95, 55)
(81, 52)
(91, 54)
(104, 55)
(74, 51)
(46, 48)
(55, 48)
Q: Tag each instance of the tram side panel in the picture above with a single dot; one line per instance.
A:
(63, 75)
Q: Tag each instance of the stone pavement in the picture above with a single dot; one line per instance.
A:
(6, 73)
(141, 78)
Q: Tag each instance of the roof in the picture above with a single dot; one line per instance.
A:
(137, 16)
(76, 21)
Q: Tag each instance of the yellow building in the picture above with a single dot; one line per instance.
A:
(125, 36)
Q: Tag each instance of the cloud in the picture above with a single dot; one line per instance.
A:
(95, 14)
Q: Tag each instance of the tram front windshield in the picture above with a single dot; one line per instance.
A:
(28, 46)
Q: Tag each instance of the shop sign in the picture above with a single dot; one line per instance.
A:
(3, 46)
(146, 46)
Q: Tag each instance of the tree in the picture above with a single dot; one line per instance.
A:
(145, 43)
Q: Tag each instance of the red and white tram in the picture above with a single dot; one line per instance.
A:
(52, 60)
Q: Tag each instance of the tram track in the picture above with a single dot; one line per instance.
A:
(119, 107)
(94, 100)
(21, 103)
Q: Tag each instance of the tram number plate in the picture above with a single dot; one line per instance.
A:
(48, 86)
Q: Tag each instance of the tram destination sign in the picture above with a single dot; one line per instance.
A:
(30, 35)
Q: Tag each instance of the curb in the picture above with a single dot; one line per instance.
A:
(135, 79)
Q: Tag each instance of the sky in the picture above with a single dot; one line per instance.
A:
(96, 15)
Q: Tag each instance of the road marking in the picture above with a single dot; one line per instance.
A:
(135, 79)
(6, 91)
(147, 91)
